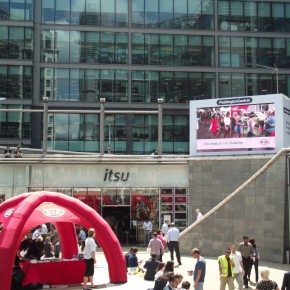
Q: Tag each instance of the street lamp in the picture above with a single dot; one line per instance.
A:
(102, 122)
(160, 125)
(45, 125)
(275, 70)
(2, 99)
(110, 120)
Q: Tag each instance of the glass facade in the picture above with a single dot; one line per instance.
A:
(132, 205)
(133, 52)
(16, 81)
(15, 125)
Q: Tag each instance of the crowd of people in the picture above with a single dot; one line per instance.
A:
(237, 124)
(44, 243)
(235, 265)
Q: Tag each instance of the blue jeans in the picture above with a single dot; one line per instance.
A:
(199, 286)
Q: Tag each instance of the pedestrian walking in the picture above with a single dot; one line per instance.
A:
(173, 243)
(199, 270)
(226, 270)
(247, 251)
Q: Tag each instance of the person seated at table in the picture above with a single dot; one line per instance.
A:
(7, 152)
(18, 152)
(48, 248)
(54, 236)
(37, 233)
(23, 247)
(35, 250)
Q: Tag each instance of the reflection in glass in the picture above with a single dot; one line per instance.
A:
(92, 15)
(145, 133)
(138, 13)
(121, 13)
(278, 17)
(16, 82)
(138, 50)
(180, 50)
(108, 13)
(62, 89)
(62, 45)
(15, 125)
(152, 48)
(47, 13)
(4, 6)
(62, 11)
(180, 14)
(76, 46)
(166, 49)
(17, 10)
(237, 52)
(16, 42)
(264, 17)
(151, 13)
(166, 13)
(77, 11)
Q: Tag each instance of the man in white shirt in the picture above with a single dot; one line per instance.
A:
(164, 228)
(37, 233)
(43, 229)
(198, 214)
(173, 242)
(238, 269)
(147, 227)
(90, 258)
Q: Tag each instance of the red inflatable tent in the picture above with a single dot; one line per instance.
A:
(20, 214)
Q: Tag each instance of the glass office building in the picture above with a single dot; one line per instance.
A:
(133, 52)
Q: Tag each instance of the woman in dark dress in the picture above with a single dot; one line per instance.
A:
(255, 260)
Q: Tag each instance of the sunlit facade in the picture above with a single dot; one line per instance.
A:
(133, 52)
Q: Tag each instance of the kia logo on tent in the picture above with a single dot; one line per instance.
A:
(8, 212)
(51, 212)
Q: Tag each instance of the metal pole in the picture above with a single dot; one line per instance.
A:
(45, 125)
(109, 145)
(277, 80)
(160, 125)
(102, 124)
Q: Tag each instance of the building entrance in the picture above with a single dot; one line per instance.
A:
(118, 217)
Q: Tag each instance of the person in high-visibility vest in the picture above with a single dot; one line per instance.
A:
(226, 269)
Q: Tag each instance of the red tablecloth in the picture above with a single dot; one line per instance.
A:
(54, 273)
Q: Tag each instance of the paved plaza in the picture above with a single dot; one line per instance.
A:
(101, 277)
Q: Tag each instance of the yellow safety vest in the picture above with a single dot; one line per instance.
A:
(224, 265)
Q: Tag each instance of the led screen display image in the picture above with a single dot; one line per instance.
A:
(237, 125)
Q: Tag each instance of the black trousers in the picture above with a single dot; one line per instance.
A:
(256, 266)
(247, 262)
(174, 246)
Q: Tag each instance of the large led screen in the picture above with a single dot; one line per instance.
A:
(234, 125)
